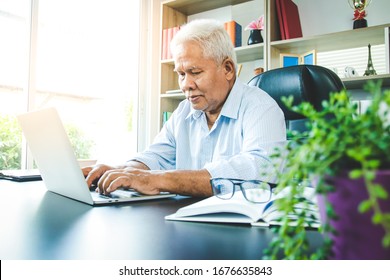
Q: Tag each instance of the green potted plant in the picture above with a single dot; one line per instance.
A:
(345, 156)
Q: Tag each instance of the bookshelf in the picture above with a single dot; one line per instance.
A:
(359, 82)
(334, 41)
(178, 12)
(327, 42)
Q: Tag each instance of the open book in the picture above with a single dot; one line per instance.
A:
(239, 210)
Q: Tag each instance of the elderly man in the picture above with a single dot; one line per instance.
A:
(223, 129)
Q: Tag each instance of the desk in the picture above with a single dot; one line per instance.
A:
(38, 224)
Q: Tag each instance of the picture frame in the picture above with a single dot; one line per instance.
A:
(310, 58)
(288, 59)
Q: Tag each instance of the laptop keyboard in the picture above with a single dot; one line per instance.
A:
(122, 193)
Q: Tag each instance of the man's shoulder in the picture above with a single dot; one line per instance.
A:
(256, 94)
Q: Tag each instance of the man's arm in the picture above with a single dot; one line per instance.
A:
(184, 182)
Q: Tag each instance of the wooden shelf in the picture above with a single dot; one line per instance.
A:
(249, 53)
(179, 96)
(190, 7)
(359, 82)
(244, 54)
(334, 41)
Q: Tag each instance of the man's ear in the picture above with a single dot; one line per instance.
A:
(228, 67)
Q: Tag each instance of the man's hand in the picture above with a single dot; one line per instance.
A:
(137, 176)
(143, 181)
(106, 178)
(92, 174)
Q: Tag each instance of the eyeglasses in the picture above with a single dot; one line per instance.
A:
(255, 191)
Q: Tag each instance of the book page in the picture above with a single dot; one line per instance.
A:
(237, 204)
(225, 218)
(272, 214)
(236, 210)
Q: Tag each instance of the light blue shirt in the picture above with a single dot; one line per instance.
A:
(237, 146)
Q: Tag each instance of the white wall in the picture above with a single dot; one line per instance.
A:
(319, 17)
(243, 14)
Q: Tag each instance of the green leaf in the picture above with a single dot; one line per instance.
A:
(377, 219)
(365, 206)
(386, 241)
(379, 191)
(355, 174)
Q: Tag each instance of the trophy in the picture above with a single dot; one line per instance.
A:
(359, 15)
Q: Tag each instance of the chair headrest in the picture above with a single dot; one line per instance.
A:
(310, 83)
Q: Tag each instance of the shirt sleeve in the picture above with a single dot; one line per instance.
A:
(161, 154)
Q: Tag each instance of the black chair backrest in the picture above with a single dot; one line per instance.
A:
(306, 83)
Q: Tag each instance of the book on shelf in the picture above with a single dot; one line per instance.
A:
(238, 210)
(166, 116)
(169, 39)
(280, 20)
(289, 21)
(164, 44)
(235, 32)
(167, 36)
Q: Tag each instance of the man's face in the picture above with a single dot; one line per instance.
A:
(205, 83)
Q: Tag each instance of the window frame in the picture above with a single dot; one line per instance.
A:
(143, 117)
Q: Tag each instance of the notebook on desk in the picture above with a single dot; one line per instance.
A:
(57, 163)
(20, 175)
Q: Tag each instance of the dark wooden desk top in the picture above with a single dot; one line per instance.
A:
(38, 224)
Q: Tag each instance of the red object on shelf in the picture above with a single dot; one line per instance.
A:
(289, 21)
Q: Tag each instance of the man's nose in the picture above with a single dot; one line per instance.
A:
(187, 83)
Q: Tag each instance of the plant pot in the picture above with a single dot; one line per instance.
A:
(255, 37)
(357, 237)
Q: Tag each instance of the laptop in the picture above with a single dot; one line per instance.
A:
(57, 163)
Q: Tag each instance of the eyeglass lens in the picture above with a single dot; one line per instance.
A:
(253, 191)
(223, 188)
(258, 192)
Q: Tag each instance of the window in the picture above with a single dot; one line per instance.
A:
(84, 62)
(13, 74)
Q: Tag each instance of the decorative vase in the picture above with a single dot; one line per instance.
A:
(360, 23)
(255, 37)
(356, 237)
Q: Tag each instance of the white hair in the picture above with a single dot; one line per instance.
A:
(210, 35)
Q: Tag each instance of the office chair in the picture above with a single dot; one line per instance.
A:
(306, 83)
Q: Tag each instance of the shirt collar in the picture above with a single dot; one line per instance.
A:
(231, 106)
